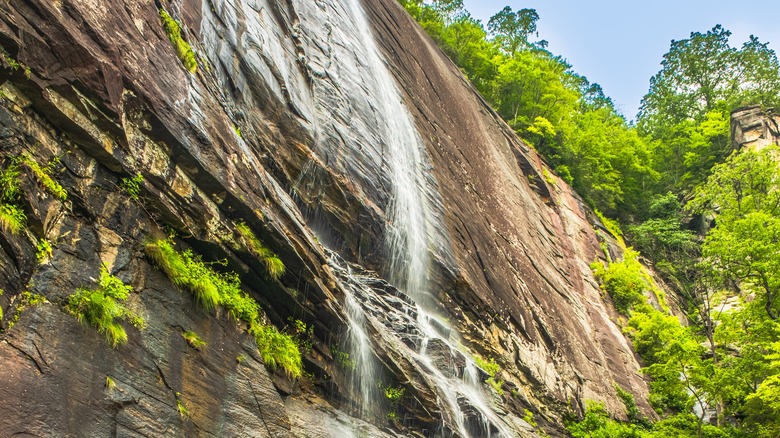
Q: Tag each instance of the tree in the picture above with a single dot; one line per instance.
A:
(743, 250)
(512, 29)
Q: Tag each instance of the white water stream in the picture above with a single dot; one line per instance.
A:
(407, 246)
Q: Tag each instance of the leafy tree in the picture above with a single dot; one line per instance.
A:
(742, 250)
(511, 29)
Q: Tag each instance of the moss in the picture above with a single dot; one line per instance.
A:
(110, 383)
(104, 308)
(273, 264)
(183, 49)
(193, 340)
(43, 175)
(612, 226)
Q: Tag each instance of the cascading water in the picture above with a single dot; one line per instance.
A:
(407, 239)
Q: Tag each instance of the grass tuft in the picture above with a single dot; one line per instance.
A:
(279, 350)
(273, 264)
(12, 218)
(193, 340)
(104, 308)
(43, 175)
(224, 289)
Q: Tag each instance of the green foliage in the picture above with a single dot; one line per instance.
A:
(597, 424)
(624, 281)
(273, 264)
(212, 289)
(612, 226)
(183, 49)
(193, 339)
(132, 186)
(43, 175)
(278, 350)
(110, 384)
(343, 359)
(104, 308)
(492, 368)
(24, 301)
(394, 394)
(43, 250)
(12, 218)
(743, 244)
(184, 413)
(567, 118)
(10, 179)
(528, 417)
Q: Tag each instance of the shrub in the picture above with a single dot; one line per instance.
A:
(273, 264)
(104, 307)
(183, 49)
(43, 176)
(624, 281)
(277, 349)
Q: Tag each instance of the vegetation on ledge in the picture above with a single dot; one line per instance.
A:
(183, 49)
(104, 308)
(212, 289)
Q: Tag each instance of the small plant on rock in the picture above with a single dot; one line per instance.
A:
(104, 308)
(43, 175)
(24, 301)
(273, 264)
(110, 383)
(132, 186)
(12, 218)
(213, 289)
(193, 340)
(183, 49)
(277, 349)
(43, 250)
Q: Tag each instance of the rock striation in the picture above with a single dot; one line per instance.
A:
(282, 127)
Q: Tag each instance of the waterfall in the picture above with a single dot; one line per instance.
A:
(407, 239)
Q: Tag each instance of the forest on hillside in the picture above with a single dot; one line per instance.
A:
(706, 216)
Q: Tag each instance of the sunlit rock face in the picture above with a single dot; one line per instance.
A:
(752, 127)
(417, 230)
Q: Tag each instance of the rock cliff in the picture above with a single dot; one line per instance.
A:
(416, 229)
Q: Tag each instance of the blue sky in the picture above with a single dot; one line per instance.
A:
(620, 44)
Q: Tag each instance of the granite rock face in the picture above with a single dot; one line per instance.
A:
(753, 127)
(282, 127)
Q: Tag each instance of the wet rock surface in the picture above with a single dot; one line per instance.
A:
(279, 129)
